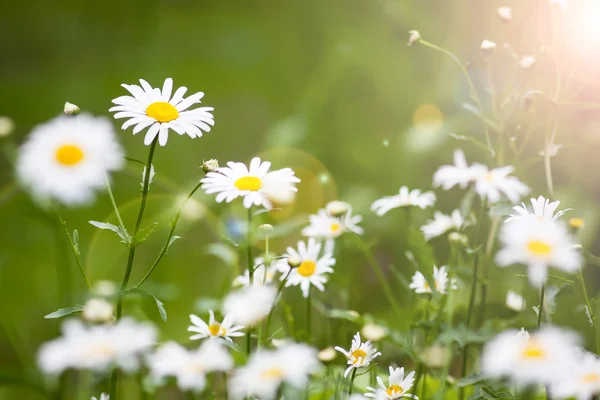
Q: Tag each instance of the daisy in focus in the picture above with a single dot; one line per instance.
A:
(442, 223)
(327, 226)
(312, 266)
(397, 387)
(189, 367)
(440, 281)
(68, 158)
(581, 378)
(496, 183)
(536, 358)
(404, 198)
(448, 176)
(214, 329)
(98, 347)
(266, 370)
(538, 244)
(250, 305)
(157, 110)
(254, 183)
(542, 209)
(360, 354)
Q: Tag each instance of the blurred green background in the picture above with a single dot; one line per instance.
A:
(329, 88)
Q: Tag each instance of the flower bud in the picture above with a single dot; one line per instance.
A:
(6, 126)
(436, 356)
(374, 332)
(527, 62)
(105, 288)
(576, 223)
(71, 109)
(413, 36)
(487, 46)
(294, 262)
(327, 354)
(514, 301)
(337, 208)
(210, 166)
(265, 228)
(458, 239)
(98, 310)
(504, 13)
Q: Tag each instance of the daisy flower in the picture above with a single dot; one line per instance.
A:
(448, 176)
(360, 354)
(255, 183)
(440, 281)
(538, 244)
(528, 359)
(250, 305)
(514, 301)
(404, 198)
(158, 111)
(442, 223)
(189, 367)
(214, 329)
(542, 209)
(67, 158)
(580, 379)
(323, 225)
(267, 370)
(397, 387)
(312, 266)
(97, 310)
(262, 275)
(495, 183)
(98, 347)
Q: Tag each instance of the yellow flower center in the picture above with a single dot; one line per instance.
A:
(533, 350)
(359, 356)
(394, 389)
(335, 227)
(307, 268)
(591, 377)
(272, 373)
(251, 183)
(426, 286)
(162, 111)
(69, 155)
(216, 329)
(539, 248)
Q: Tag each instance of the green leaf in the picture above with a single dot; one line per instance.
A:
(64, 312)
(466, 204)
(462, 336)
(470, 380)
(501, 210)
(152, 173)
(159, 304)
(143, 234)
(349, 315)
(76, 241)
(124, 235)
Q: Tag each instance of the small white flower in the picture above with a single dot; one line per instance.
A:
(327, 354)
(158, 111)
(262, 275)
(413, 36)
(505, 13)
(538, 244)
(492, 184)
(442, 223)
(526, 360)
(325, 226)
(514, 301)
(405, 198)
(527, 62)
(542, 209)
(67, 158)
(360, 354)
(440, 281)
(580, 379)
(448, 176)
(374, 332)
(103, 396)
(313, 266)
(98, 310)
(71, 109)
(250, 305)
(214, 329)
(7, 126)
(189, 367)
(419, 283)
(488, 45)
(98, 347)
(267, 370)
(255, 183)
(397, 387)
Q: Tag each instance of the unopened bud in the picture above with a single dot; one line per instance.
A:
(576, 223)
(374, 332)
(294, 262)
(105, 288)
(487, 46)
(7, 126)
(504, 13)
(327, 354)
(98, 310)
(337, 208)
(413, 36)
(71, 109)
(210, 166)
(527, 62)
(436, 356)
(265, 228)
(458, 239)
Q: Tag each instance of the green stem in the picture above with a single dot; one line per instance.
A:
(165, 247)
(588, 305)
(132, 247)
(279, 290)
(541, 310)
(486, 269)
(352, 382)
(74, 250)
(308, 316)
(113, 202)
(249, 249)
(362, 246)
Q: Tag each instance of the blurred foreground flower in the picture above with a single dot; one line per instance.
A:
(250, 305)
(405, 198)
(67, 158)
(581, 378)
(98, 310)
(214, 329)
(158, 110)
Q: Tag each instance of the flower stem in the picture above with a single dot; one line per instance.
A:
(250, 275)
(486, 269)
(165, 247)
(541, 310)
(75, 250)
(589, 307)
(113, 202)
(132, 247)
(279, 290)
(308, 316)
(352, 382)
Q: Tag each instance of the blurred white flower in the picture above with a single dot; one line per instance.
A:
(561, 3)
(523, 334)
(419, 283)
(98, 347)
(581, 378)
(487, 46)
(255, 183)
(98, 310)
(448, 176)
(440, 281)
(536, 359)
(374, 332)
(397, 387)
(538, 244)
(313, 266)
(413, 36)
(189, 367)
(67, 158)
(250, 305)
(267, 370)
(214, 329)
(158, 110)
(404, 198)
(327, 354)
(442, 223)
(514, 301)
(527, 62)
(492, 184)
(505, 13)
(542, 209)
(103, 396)
(7, 126)
(325, 226)
(360, 354)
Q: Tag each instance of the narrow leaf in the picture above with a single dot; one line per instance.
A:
(124, 235)
(145, 233)
(159, 304)
(64, 312)
(76, 241)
